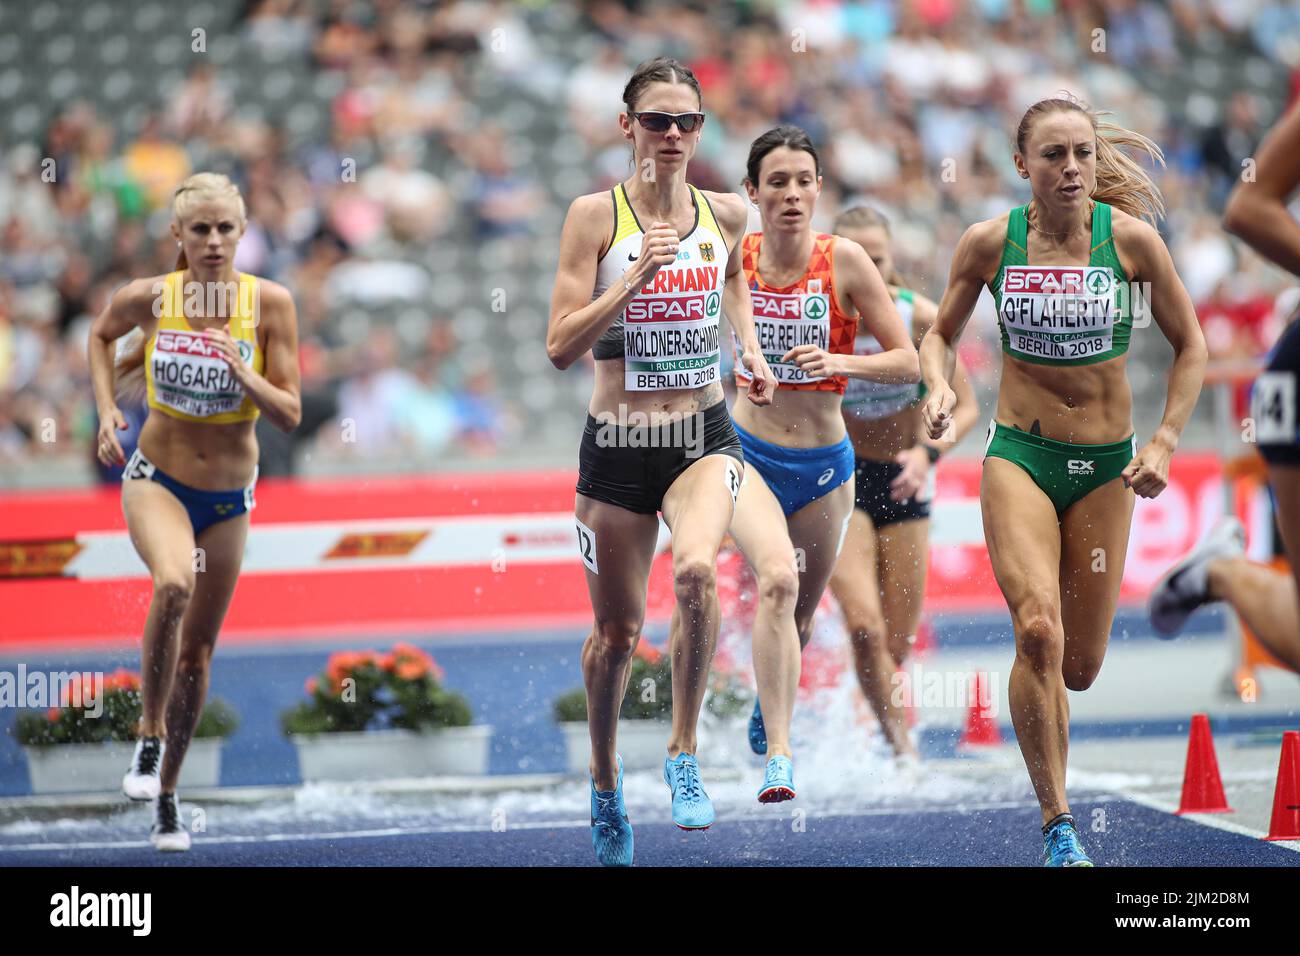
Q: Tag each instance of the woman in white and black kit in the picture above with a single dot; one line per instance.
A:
(645, 272)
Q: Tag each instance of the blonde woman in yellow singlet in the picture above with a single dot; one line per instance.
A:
(215, 348)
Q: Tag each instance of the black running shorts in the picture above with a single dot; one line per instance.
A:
(871, 494)
(632, 465)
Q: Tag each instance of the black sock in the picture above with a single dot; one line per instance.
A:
(1057, 819)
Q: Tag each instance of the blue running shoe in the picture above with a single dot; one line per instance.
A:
(757, 732)
(692, 809)
(611, 831)
(1061, 846)
(778, 784)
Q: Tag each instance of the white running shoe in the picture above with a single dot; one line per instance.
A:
(1185, 586)
(908, 768)
(168, 834)
(142, 781)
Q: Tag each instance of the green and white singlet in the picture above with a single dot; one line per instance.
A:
(1063, 315)
(870, 401)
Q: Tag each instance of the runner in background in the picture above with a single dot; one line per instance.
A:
(215, 349)
(879, 579)
(1217, 569)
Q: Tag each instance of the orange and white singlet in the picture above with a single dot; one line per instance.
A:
(185, 375)
(803, 313)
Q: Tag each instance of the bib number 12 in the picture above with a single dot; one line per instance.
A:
(587, 546)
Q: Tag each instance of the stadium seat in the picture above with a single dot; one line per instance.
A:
(148, 18)
(117, 86)
(11, 85)
(277, 85)
(64, 85)
(25, 121)
(114, 50)
(59, 50)
(94, 17)
(469, 325)
(43, 17)
(167, 52)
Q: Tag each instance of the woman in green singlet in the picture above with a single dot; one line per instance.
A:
(1070, 271)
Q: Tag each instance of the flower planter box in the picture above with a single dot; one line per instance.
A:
(89, 768)
(371, 754)
(643, 744)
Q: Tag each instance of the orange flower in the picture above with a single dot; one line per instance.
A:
(311, 685)
(388, 662)
(341, 665)
(126, 680)
(411, 662)
(53, 714)
(648, 652)
(411, 670)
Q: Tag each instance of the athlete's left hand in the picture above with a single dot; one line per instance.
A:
(1148, 473)
(762, 383)
(815, 361)
(909, 482)
(225, 344)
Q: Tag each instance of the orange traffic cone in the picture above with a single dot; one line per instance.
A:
(1285, 824)
(1202, 785)
(981, 725)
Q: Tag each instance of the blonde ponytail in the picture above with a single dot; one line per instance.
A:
(128, 368)
(1122, 182)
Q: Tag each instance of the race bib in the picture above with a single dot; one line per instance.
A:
(670, 331)
(137, 466)
(1273, 406)
(190, 376)
(1059, 312)
(786, 320)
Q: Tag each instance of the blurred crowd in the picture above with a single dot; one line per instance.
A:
(373, 215)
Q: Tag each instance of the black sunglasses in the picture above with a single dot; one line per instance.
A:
(657, 122)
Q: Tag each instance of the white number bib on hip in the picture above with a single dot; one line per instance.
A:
(190, 375)
(1059, 312)
(784, 320)
(1273, 406)
(670, 330)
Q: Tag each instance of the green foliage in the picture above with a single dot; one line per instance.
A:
(650, 694)
(362, 691)
(119, 721)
